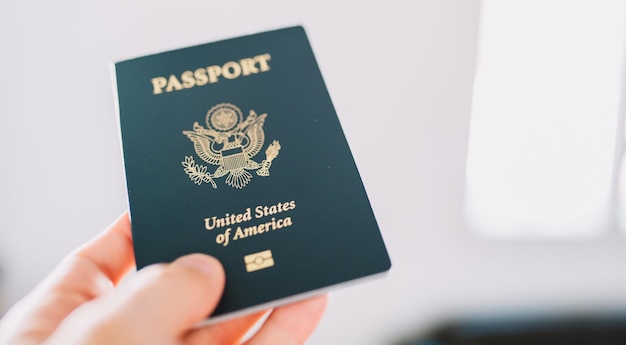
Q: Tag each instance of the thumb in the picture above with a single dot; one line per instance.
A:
(171, 298)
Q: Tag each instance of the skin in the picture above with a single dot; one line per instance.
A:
(80, 302)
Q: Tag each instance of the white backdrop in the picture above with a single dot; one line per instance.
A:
(400, 74)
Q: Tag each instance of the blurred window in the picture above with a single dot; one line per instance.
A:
(544, 140)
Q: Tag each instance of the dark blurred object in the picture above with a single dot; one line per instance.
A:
(579, 330)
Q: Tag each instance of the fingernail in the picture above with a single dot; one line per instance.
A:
(200, 262)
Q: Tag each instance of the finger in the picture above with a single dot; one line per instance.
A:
(172, 298)
(291, 324)
(88, 272)
(112, 251)
(228, 332)
(71, 284)
(82, 276)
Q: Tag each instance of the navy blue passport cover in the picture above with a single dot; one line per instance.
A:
(234, 149)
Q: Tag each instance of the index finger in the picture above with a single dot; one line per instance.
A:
(112, 250)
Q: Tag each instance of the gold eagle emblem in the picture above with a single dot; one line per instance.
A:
(230, 143)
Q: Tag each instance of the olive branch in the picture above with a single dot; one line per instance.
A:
(197, 173)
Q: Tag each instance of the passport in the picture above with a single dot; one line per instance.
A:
(234, 149)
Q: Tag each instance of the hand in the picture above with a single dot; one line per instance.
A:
(79, 304)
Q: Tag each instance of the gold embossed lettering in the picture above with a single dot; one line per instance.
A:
(173, 84)
(249, 231)
(214, 72)
(201, 77)
(211, 74)
(158, 84)
(209, 223)
(258, 211)
(287, 222)
(248, 66)
(220, 222)
(263, 62)
(247, 215)
(188, 80)
(226, 70)
(228, 219)
(238, 234)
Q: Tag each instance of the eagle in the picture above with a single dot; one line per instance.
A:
(231, 149)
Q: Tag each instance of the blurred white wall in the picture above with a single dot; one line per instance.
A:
(400, 74)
